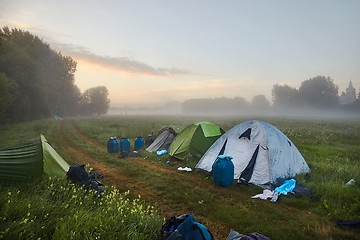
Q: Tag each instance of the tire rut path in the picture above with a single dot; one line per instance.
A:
(118, 178)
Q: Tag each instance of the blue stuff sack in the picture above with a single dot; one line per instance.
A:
(185, 227)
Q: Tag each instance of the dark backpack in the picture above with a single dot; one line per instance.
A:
(78, 174)
(184, 227)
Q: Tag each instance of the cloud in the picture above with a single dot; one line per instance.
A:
(12, 24)
(123, 64)
(84, 55)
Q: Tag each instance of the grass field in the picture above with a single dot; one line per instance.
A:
(330, 147)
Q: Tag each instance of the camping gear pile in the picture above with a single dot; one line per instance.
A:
(78, 174)
(184, 227)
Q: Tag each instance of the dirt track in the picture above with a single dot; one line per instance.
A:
(118, 178)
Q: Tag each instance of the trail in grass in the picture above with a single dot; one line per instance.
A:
(151, 190)
(118, 178)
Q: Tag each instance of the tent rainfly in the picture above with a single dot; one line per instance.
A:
(30, 160)
(193, 141)
(163, 141)
(261, 153)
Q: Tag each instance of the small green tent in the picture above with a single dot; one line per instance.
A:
(194, 140)
(30, 160)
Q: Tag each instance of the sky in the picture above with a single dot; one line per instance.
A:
(152, 52)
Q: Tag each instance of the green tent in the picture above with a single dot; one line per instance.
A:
(194, 140)
(30, 160)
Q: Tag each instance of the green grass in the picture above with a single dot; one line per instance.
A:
(55, 209)
(330, 148)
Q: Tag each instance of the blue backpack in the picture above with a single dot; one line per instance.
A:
(185, 227)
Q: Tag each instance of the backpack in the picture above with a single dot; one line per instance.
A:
(78, 174)
(184, 227)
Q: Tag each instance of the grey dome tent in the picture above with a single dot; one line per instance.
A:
(261, 153)
(163, 141)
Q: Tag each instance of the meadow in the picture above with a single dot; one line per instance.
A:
(331, 147)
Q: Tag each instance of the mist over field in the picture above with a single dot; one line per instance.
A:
(316, 97)
(176, 108)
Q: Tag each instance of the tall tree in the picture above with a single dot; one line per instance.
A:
(95, 101)
(285, 96)
(319, 92)
(44, 78)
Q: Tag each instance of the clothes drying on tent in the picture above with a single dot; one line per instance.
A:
(193, 141)
(30, 160)
(163, 141)
(261, 153)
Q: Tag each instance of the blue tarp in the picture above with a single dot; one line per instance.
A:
(287, 186)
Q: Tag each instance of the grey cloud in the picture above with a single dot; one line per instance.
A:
(119, 63)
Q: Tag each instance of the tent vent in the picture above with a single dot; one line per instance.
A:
(223, 148)
(246, 134)
(289, 143)
(248, 171)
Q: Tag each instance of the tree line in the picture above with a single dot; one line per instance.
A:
(317, 94)
(37, 82)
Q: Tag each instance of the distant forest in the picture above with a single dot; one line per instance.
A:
(316, 95)
(37, 82)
